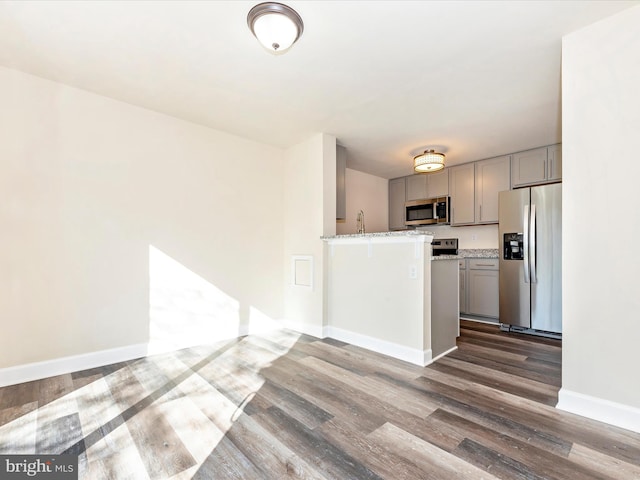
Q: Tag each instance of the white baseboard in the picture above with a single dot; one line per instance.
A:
(317, 331)
(427, 358)
(411, 355)
(75, 363)
(617, 414)
(59, 366)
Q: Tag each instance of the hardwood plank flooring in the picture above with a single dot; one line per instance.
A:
(283, 405)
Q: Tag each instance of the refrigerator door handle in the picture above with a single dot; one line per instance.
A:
(525, 242)
(532, 244)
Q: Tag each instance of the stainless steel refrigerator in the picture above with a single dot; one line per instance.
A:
(530, 233)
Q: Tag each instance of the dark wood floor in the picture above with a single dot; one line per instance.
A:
(284, 405)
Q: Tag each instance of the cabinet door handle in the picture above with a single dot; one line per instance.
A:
(485, 264)
(480, 219)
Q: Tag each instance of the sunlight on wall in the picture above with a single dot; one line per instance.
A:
(185, 309)
(260, 322)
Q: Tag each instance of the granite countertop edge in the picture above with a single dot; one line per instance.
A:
(470, 253)
(402, 233)
(462, 253)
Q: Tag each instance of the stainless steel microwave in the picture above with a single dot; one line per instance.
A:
(427, 212)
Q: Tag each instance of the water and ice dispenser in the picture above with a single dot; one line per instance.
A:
(513, 246)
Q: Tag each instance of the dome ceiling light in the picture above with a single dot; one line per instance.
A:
(428, 162)
(276, 26)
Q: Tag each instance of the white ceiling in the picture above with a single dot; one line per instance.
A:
(472, 79)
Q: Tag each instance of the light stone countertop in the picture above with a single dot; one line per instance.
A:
(400, 233)
(471, 253)
(462, 253)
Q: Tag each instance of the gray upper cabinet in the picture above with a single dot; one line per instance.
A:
(474, 187)
(341, 191)
(416, 187)
(427, 185)
(537, 166)
(438, 184)
(492, 176)
(397, 196)
(462, 192)
(554, 162)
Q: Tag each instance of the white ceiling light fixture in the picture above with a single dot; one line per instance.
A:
(276, 26)
(428, 162)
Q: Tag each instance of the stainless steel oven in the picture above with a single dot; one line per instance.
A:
(427, 212)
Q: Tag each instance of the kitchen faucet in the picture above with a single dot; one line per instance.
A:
(361, 222)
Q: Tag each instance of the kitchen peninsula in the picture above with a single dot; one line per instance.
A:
(387, 293)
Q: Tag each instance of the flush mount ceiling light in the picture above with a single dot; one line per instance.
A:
(275, 25)
(428, 162)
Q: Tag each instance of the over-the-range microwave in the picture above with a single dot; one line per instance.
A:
(427, 212)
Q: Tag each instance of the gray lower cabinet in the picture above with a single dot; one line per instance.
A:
(479, 294)
(397, 196)
(483, 290)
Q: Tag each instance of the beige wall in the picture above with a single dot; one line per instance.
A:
(379, 295)
(309, 213)
(371, 195)
(91, 187)
(601, 222)
(371, 292)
